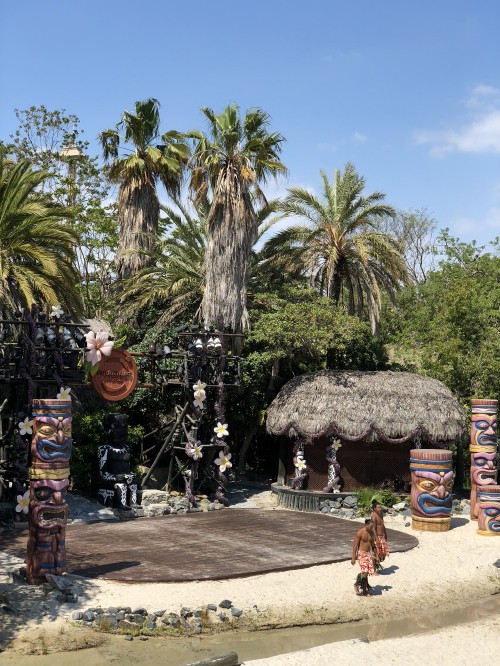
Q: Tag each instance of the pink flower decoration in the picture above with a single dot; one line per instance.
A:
(97, 346)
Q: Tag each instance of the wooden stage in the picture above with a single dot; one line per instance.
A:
(223, 544)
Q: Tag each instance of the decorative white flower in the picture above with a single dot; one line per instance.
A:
(300, 463)
(200, 395)
(198, 402)
(336, 444)
(23, 502)
(221, 429)
(199, 386)
(64, 393)
(197, 452)
(97, 346)
(26, 426)
(223, 461)
(57, 311)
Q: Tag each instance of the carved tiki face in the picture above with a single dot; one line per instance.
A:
(489, 510)
(483, 468)
(51, 441)
(431, 484)
(48, 508)
(483, 428)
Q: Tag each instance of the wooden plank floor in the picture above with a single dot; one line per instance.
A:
(206, 546)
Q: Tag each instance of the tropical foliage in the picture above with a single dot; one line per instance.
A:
(36, 242)
(233, 160)
(341, 250)
(145, 161)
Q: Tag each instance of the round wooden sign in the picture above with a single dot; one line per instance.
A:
(116, 377)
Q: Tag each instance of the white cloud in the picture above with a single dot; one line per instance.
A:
(359, 138)
(480, 135)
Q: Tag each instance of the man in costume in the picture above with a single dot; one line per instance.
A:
(363, 548)
(380, 531)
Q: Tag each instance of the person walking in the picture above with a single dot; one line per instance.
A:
(364, 551)
(380, 531)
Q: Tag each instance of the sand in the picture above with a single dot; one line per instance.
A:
(446, 570)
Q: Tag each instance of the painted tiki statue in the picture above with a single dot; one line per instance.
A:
(431, 485)
(48, 512)
(483, 450)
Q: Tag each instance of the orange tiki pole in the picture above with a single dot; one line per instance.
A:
(483, 449)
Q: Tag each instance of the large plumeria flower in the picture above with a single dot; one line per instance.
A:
(23, 502)
(199, 386)
(97, 346)
(300, 464)
(336, 445)
(197, 452)
(26, 426)
(221, 429)
(199, 402)
(224, 460)
(64, 393)
(57, 311)
(200, 395)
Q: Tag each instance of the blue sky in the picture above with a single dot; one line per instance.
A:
(408, 91)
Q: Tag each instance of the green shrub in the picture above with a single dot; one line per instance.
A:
(365, 496)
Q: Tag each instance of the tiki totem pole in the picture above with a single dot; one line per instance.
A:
(483, 449)
(431, 484)
(48, 512)
(488, 503)
(118, 484)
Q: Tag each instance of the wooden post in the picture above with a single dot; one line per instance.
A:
(282, 463)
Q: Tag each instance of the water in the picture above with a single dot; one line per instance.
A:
(255, 645)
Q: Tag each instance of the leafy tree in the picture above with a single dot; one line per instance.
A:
(234, 159)
(53, 141)
(36, 242)
(414, 231)
(137, 172)
(341, 250)
(449, 327)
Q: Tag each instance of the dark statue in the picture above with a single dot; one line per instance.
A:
(117, 483)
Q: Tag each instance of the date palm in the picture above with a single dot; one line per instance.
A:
(340, 249)
(146, 159)
(36, 243)
(232, 160)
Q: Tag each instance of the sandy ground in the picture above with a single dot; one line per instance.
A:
(445, 570)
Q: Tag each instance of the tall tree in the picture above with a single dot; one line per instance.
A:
(54, 142)
(137, 172)
(234, 159)
(341, 251)
(36, 242)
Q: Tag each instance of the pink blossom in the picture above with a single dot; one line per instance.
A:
(97, 346)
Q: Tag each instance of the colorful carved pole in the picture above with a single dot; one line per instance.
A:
(483, 449)
(48, 512)
(488, 503)
(431, 484)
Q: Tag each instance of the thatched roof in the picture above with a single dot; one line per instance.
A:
(396, 407)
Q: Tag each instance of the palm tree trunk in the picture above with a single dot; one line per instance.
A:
(138, 211)
(232, 231)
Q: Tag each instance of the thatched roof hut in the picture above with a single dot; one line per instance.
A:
(394, 407)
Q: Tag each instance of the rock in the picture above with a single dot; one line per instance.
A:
(112, 610)
(154, 497)
(159, 613)
(325, 509)
(399, 506)
(71, 598)
(212, 607)
(16, 579)
(334, 510)
(109, 621)
(143, 638)
(497, 564)
(349, 514)
(186, 612)
(128, 637)
(126, 625)
(197, 629)
(236, 612)
(336, 504)
(140, 611)
(59, 582)
(466, 510)
(88, 616)
(349, 502)
(198, 613)
(175, 622)
(226, 603)
(77, 615)
(223, 617)
(150, 625)
(407, 524)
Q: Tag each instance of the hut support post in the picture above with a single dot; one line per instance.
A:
(282, 463)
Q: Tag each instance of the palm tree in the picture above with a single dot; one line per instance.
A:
(177, 273)
(341, 250)
(37, 246)
(138, 172)
(233, 160)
